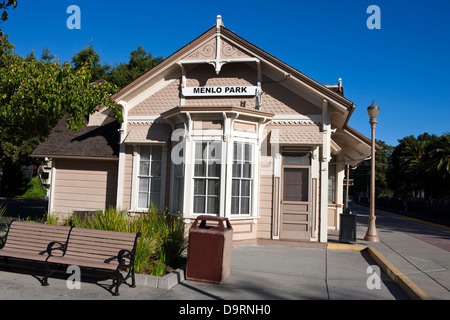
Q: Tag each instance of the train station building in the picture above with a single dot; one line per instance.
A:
(220, 127)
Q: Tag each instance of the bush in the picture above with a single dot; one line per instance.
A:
(162, 240)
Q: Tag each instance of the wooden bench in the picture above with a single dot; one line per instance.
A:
(97, 249)
(29, 240)
(59, 245)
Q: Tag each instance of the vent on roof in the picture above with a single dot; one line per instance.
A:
(338, 88)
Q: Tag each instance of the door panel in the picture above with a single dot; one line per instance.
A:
(295, 203)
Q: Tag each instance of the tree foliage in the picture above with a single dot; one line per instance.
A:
(420, 167)
(5, 5)
(140, 62)
(415, 168)
(361, 174)
(35, 95)
(121, 74)
(88, 57)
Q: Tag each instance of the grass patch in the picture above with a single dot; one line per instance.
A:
(34, 190)
(161, 245)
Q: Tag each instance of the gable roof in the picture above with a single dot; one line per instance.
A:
(191, 49)
(97, 142)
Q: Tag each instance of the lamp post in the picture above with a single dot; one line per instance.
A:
(371, 234)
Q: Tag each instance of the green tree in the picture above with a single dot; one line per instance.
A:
(440, 155)
(361, 174)
(88, 57)
(35, 95)
(419, 167)
(47, 55)
(5, 5)
(140, 62)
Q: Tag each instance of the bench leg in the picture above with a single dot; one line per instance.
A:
(116, 290)
(133, 280)
(45, 280)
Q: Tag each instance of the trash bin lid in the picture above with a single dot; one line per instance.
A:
(204, 218)
(348, 211)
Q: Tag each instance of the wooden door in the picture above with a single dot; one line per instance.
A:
(295, 202)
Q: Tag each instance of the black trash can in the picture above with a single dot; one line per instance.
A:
(347, 229)
(209, 250)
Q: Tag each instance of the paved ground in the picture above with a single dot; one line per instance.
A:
(268, 272)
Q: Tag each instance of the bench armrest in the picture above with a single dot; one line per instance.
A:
(125, 254)
(55, 245)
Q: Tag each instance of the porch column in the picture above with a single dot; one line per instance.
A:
(121, 166)
(326, 126)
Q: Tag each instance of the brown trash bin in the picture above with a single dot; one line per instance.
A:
(209, 250)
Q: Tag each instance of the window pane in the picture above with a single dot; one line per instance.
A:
(199, 204)
(237, 151)
(214, 187)
(214, 150)
(145, 152)
(245, 205)
(179, 194)
(156, 168)
(199, 187)
(198, 151)
(247, 151)
(213, 205)
(143, 168)
(214, 170)
(247, 170)
(235, 187)
(237, 166)
(296, 158)
(245, 191)
(155, 185)
(154, 200)
(143, 200)
(200, 169)
(156, 152)
(234, 205)
(143, 184)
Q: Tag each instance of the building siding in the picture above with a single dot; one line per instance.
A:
(84, 185)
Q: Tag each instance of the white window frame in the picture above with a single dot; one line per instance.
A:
(136, 176)
(192, 168)
(254, 197)
(240, 178)
(226, 137)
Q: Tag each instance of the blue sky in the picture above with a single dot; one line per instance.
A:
(404, 66)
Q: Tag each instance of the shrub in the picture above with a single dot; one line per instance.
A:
(162, 240)
(34, 190)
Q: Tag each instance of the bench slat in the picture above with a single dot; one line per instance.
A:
(105, 242)
(96, 249)
(82, 262)
(23, 254)
(32, 237)
(103, 233)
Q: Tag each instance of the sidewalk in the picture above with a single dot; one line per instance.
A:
(272, 272)
(420, 251)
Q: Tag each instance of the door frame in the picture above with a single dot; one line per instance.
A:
(309, 202)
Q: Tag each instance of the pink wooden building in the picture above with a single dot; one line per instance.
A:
(220, 127)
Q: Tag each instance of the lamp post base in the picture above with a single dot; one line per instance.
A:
(371, 238)
(371, 233)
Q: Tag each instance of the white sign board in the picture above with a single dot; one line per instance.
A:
(219, 91)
